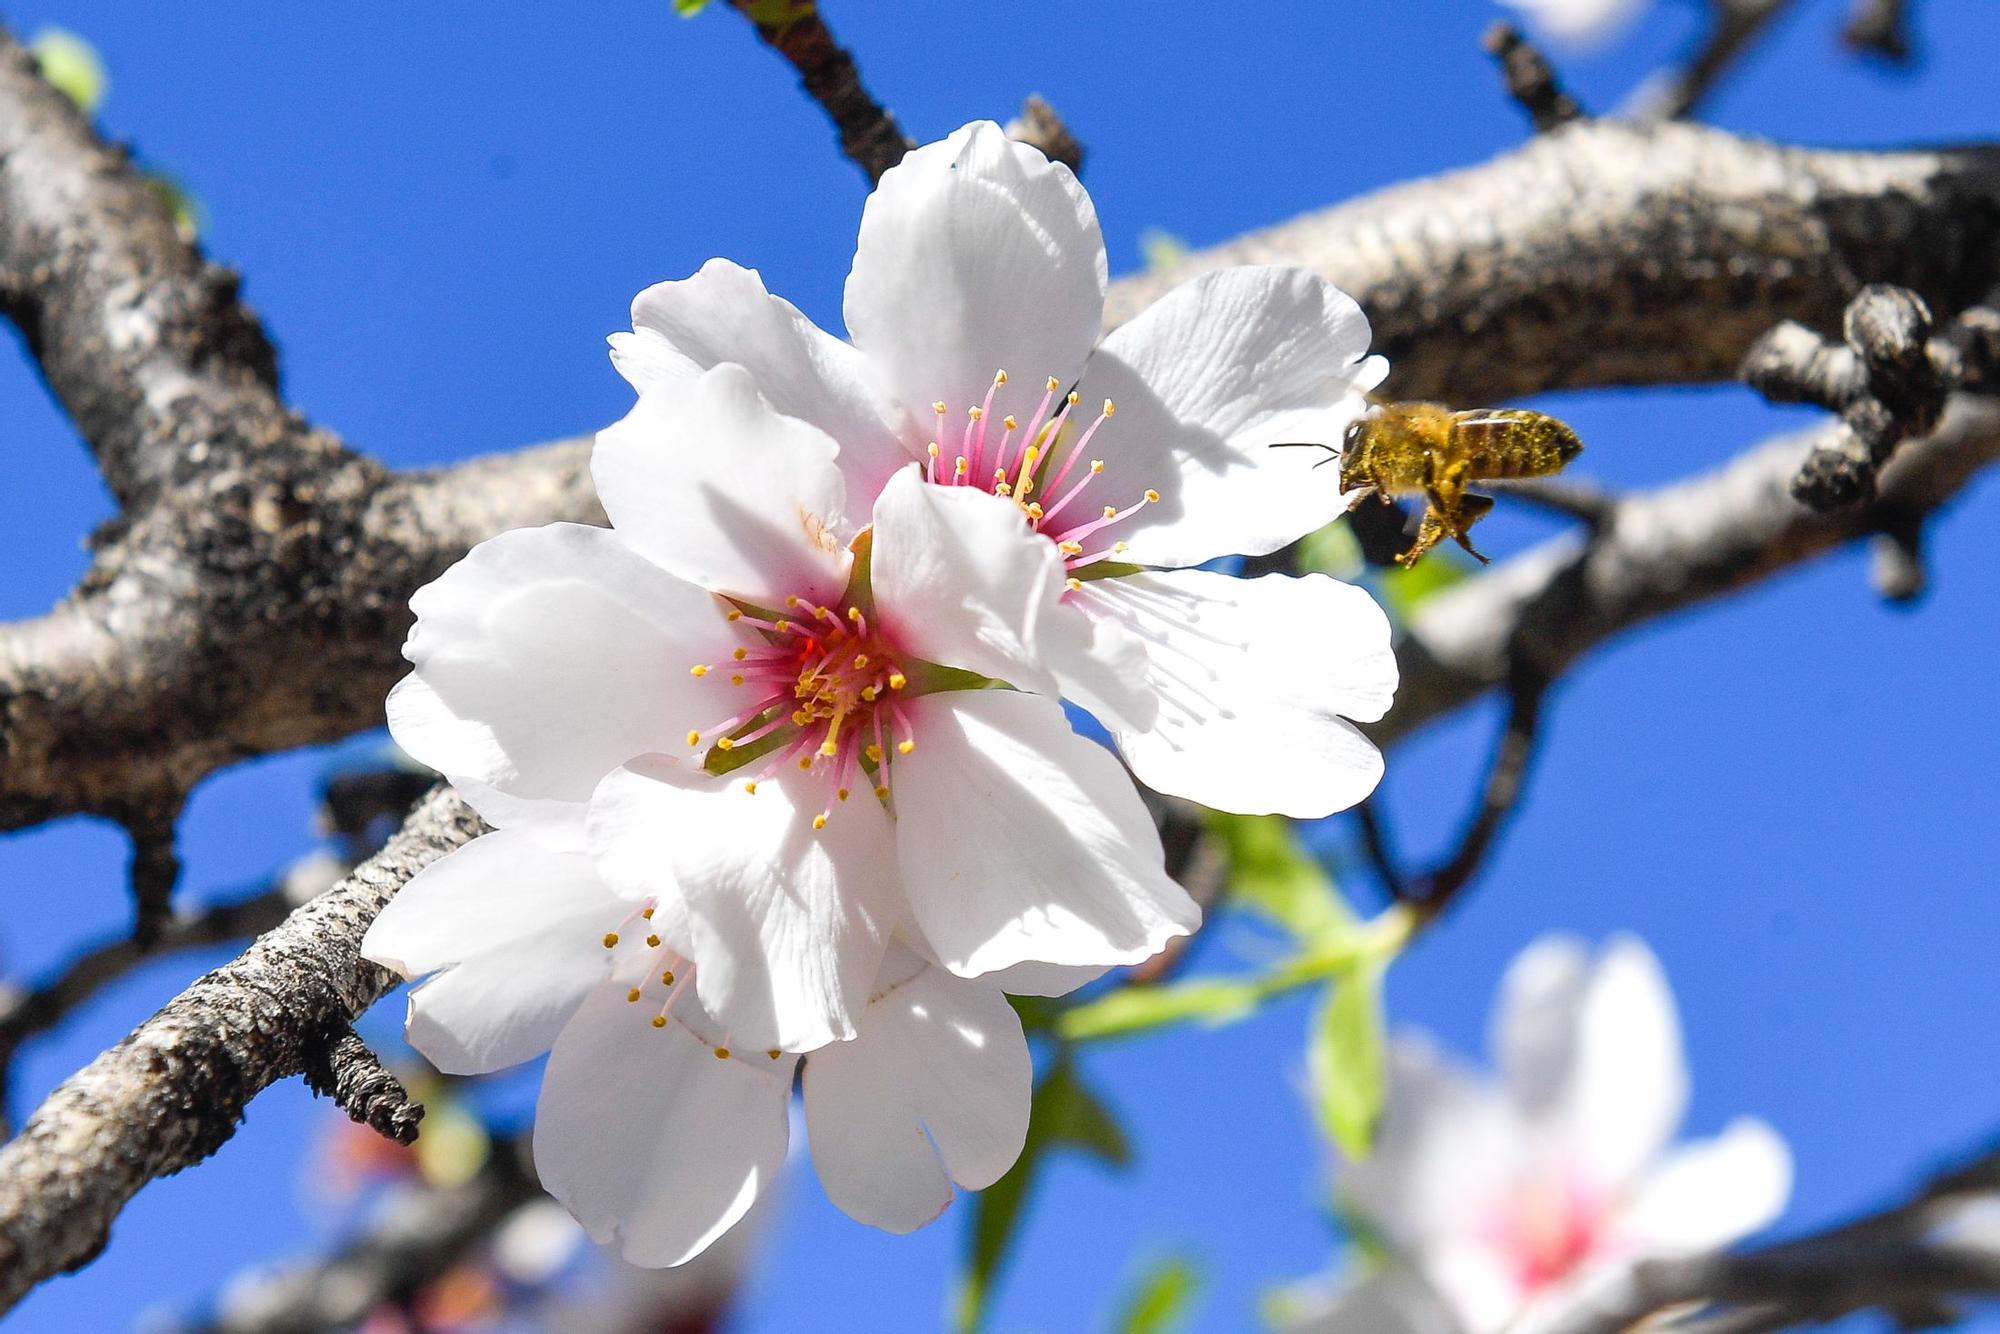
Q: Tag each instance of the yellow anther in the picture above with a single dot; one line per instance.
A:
(1075, 585)
(1120, 548)
(1035, 509)
(882, 792)
(791, 599)
(1002, 489)
(819, 821)
(774, 1053)
(1110, 408)
(741, 654)
(897, 680)
(783, 627)
(722, 1053)
(842, 794)
(1070, 548)
(1110, 511)
(854, 614)
(1152, 496)
(958, 468)
(1053, 384)
(1096, 466)
(751, 787)
(1009, 422)
(632, 995)
(667, 977)
(938, 407)
(999, 377)
(933, 449)
(975, 413)
(653, 942)
(805, 762)
(873, 752)
(659, 1021)
(699, 669)
(860, 661)
(725, 743)
(694, 738)
(610, 940)
(905, 747)
(648, 914)
(1072, 398)
(801, 717)
(734, 615)
(869, 693)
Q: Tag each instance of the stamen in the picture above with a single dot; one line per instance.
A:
(653, 942)
(699, 669)
(632, 995)
(610, 940)
(722, 1053)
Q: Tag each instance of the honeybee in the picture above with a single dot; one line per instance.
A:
(1428, 449)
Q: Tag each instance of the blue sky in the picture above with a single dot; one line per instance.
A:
(441, 211)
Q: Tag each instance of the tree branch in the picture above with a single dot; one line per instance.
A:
(1734, 26)
(173, 1091)
(869, 134)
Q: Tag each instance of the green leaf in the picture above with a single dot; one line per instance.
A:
(1161, 249)
(73, 66)
(189, 213)
(1348, 1058)
(1271, 873)
(1406, 588)
(1162, 1298)
(1065, 1113)
(1331, 550)
(687, 9)
(1211, 1001)
(778, 13)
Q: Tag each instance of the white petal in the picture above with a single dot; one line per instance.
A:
(976, 254)
(1534, 1028)
(1019, 840)
(1446, 1151)
(550, 656)
(517, 928)
(647, 1138)
(788, 923)
(1043, 979)
(723, 313)
(556, 825)
(1628, 1086)
(1392, 1300)
(960, 579)
(1252, 678)
(937, 1053)
(709, 482)
(1206, 380)
(1710, 1193)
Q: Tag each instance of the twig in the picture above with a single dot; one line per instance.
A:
(341, 1067)
(1880, 28)
(794, 29)
(1038, 124)
(173, 1091)
(1529, 79)
(1735, 24)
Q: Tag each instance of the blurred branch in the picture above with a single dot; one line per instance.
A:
(420, 1236)
(1733, 26)
(794, 29)
(1910, 1261)
(1882, 28)
(1529, 79)
(173, 1091)
(1039, 125)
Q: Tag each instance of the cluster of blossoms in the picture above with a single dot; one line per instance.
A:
(1499, 1204)
(777, 763)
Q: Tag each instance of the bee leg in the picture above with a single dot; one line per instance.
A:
(1472, 508)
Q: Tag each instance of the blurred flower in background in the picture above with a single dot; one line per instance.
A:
(1485, 1200)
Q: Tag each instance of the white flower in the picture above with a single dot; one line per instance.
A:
(1580, 22)
(1497, 1202)
(654, 1131)
(976, 295)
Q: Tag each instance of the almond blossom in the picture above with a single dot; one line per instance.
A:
(651, 1129)
(1580, 22)
(1498, 1202)
(1073, 486)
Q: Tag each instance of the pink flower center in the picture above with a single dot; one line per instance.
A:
(1547, 1228)
(1036, 468)
(820, 694)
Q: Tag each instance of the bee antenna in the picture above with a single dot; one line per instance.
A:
(1306, 444)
